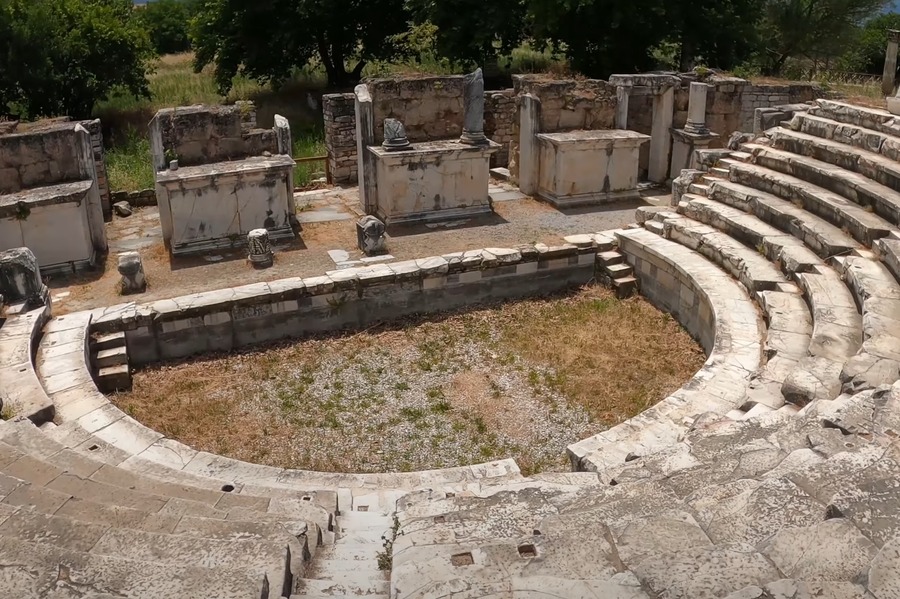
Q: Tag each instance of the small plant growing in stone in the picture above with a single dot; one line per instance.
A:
(386, 558)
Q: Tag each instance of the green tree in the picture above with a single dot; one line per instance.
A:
(866, 52)
(267, 39)
(498, 29)
(59, 57)
(815, 30)
(166, 21)
(601, 37)
(720, 33)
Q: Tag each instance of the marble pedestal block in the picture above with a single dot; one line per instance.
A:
(216, 205)
(588, 167)
(684, 144)
(435, 180)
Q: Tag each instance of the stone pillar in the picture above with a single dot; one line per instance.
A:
(890, 63)
(259, 250)
(529, 153)
(696, 120)
(661, 134)
(473, 106)
(365, 137)
(283, 136)
(132, 270)
(20, 279)
(622, 94)
(370, 235)
(84, 153)
(284, 145)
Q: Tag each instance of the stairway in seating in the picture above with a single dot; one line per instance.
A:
(357, 563)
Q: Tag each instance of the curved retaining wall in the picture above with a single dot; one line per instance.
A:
(226, 319)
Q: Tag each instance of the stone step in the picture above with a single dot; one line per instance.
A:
(775, 244)
(878, 295)
(114, 378)
(862, 116)
(114, 356)
(625, 286)
(861, 224)
(742, 156)
(754, 271)
(32, 566)
(108, 341)
(618, 271)
(848, 134)
(858, 188)
(757, 410)
(311, 587)
(609, 258)
(889, 253)
(700, 189)
(270, 558)
(819, 235)
(837, 325)
(872, 165)
(21, 392)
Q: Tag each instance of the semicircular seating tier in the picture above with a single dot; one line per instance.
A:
(773, 473)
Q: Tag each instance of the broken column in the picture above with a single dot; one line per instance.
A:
(132, 270)
(473, 106)
(890, 63)
(529, 127)
(259, 250)
(394, 136)
(661, 134)
(623, 92)
(695, 135)
(20, 279)
(365, 137)
(370, 235)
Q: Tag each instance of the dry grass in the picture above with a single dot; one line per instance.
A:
(519, 380)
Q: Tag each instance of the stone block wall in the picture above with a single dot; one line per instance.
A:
(202, 134)
(430, 108)
(96, 133)
(347, 299)
(39, 158)
(500, 123)
(340, 136)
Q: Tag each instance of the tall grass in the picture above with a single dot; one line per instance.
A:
(128, 163)
(308, 142)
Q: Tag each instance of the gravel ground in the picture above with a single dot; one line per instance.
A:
(428, 393)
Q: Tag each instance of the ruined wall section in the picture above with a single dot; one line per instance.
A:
(431, 108)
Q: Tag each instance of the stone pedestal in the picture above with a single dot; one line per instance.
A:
(20, 278)
(214, 206)
(436, 180)
(132, 270)
(684, 143)
(259, 252)
(370, 235)
(589, 167)
(529, 153)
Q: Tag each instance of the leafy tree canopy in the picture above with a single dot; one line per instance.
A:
(473, 31)
(62, 56)
(866, 53)
(166, 21)
(810, 29)
(268, 39)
